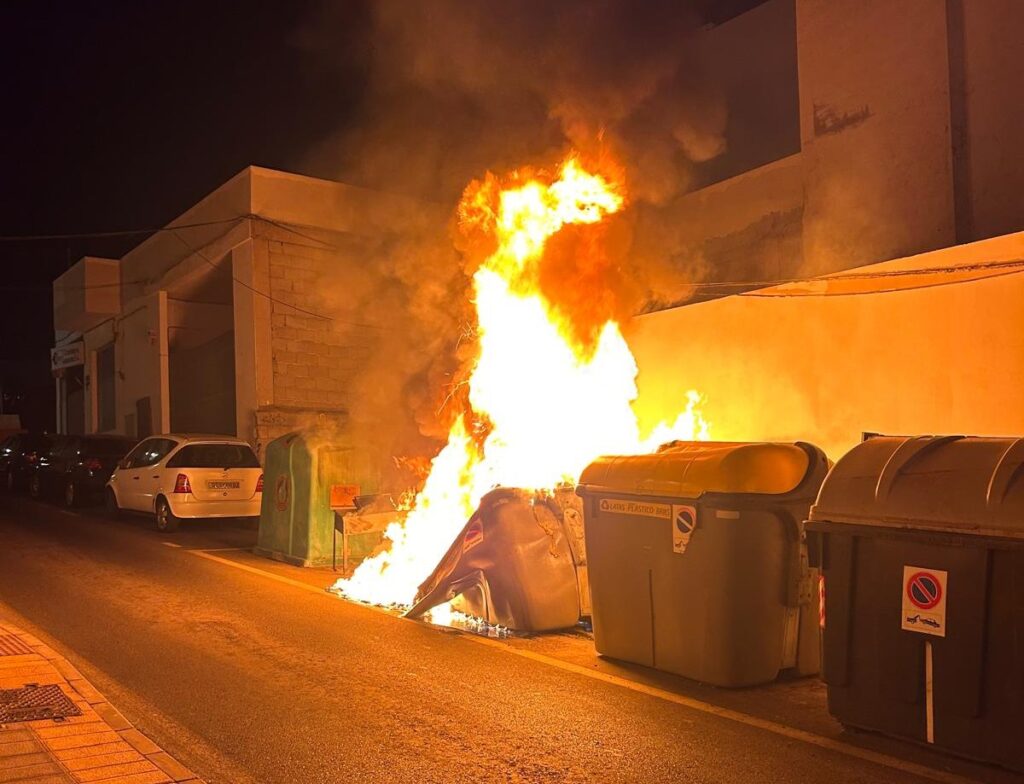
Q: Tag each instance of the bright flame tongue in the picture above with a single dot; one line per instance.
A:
(551, 405)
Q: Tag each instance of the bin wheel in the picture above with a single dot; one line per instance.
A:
(165, 519)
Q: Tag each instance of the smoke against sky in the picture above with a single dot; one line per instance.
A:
(456, 90)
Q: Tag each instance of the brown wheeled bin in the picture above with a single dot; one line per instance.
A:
(697, 561)
(921, 542)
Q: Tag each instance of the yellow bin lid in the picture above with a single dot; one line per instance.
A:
(688, 469)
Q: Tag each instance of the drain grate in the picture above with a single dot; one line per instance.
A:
(31, 703)
(12, 645)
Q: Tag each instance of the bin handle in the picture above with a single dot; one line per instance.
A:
(905, 454)
(1006, 470)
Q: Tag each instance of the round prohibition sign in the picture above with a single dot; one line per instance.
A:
(924, 590)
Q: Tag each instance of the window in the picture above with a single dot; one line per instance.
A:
(106, 408)
(150, 452)
(215, 456)
(156, 449)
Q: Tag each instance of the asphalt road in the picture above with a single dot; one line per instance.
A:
(254, 674)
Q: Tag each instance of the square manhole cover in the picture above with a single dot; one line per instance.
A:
(31, 703)
(13, 645)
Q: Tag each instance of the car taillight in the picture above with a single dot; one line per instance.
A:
(92, 463)
(259, 484)
(181, 484)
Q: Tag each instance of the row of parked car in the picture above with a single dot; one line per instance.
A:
(172, 477)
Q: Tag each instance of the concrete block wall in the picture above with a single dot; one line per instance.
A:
(316, 351)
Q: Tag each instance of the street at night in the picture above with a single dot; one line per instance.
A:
(529, 392)
(248, 671)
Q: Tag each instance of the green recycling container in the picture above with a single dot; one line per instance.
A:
(297, 519)
(697, 561)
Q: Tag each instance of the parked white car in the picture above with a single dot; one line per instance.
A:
(177, 477)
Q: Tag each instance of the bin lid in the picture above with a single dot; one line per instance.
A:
(938, 483)
(689, 469)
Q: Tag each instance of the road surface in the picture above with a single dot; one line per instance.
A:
(247, 671)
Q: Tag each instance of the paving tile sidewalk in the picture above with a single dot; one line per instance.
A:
(98, 747)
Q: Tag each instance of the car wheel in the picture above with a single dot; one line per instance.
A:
(165, 519)
(113, 510)
(34, 488)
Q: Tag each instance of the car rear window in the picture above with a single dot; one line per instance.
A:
(106, 447)
(215, 456)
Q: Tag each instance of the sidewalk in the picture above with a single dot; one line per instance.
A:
(98, 745)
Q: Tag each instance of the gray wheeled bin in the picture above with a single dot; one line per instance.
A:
(697, 560)
(921, 541)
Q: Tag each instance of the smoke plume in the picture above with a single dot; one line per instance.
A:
(457, 89)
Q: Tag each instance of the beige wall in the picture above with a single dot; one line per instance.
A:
(313, 359)
(141, 361)
(946, 359)
(94, 340)
(254, 382)
(993, 72)
(746, 227)
(86, 294)
(875, 125)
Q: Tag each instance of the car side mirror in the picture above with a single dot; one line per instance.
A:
(122, 463)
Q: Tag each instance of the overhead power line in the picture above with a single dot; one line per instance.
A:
(271, 298)
(747, 288)
(85, 235)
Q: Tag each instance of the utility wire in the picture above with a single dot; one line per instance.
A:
(1008, 267)
(271, 298)
(102, 234)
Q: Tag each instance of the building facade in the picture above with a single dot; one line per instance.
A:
(906, 180)
(858, 131)
(218, 323)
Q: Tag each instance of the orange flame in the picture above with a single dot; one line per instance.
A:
(543, 401)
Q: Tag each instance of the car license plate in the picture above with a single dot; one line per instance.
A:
(223, 485)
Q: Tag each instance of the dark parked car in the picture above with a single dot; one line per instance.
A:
(76, 468)
(19, 454)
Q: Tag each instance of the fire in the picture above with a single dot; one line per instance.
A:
(542, 401)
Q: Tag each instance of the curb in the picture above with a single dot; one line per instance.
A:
(99, 747)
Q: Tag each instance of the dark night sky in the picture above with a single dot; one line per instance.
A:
(120, 115)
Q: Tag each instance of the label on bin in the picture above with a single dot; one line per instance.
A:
(924, 600)
(640, 508)
(684, 523)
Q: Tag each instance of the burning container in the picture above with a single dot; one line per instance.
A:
(922, 546)
(309, 475)
(697, 561)
(516, 564)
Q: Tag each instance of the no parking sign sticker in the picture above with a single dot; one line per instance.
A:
(684, 521)
(924, 600)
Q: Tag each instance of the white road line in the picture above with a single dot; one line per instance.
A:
(220, 549)
(170, 544)
(792, 733)
(246, 568)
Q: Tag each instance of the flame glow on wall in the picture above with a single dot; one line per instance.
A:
(548, 393)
